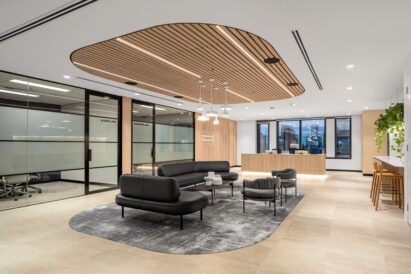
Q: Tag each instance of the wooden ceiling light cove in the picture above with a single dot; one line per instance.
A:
(170, 59)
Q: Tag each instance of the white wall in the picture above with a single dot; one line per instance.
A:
(407, 122)
(247, 143)
(246, 138)
(355, 162)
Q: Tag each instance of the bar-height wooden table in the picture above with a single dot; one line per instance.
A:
(395, 165)
(391, 162)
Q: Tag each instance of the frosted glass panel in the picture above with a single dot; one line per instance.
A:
(103, 129)
(44, 156)
(103, 154)
(54, 126)
(142, 153)
(142, 132)
(13, 158)
(173, 134)
(171, 152)
(13, 123)
(105, 175)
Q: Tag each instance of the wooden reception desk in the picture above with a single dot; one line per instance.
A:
(304, 164)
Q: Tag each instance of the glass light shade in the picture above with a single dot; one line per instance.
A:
(203, 118)
(200, 107)
(216, 121)
(226, 107)
(211, 113)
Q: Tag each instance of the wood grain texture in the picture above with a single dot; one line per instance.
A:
(126, 135)
(368, 147)
(216, 142)
(304, 164)
(199, 48)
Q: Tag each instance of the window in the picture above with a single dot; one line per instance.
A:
(289, 135)
(262, 137)
(313, 135)
(343, 138)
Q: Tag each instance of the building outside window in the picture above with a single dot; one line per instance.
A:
(262, 137)
(343, 138)
(289, 135)
(313, 136)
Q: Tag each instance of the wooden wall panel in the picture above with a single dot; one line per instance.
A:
(369, 149)
(126, 135)
(216, 142)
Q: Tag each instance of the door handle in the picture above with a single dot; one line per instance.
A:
(90, 155)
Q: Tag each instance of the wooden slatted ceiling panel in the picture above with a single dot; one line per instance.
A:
(199, 48)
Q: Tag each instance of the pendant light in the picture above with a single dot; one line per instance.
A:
(200, 100)
(216, 121)
(225, 107)
(211, 112)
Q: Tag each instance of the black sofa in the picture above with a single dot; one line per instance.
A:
(191, 173)
(158, 194)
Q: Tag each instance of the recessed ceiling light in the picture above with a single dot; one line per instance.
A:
(137, 94)
(179, 104)
(246, 108)
(365, 107)
(38, 85)
(67, 76)
(349, 66)
(272, 107)
(349, 100)
(293, 104)
(156, 56)
(271, 60)
(308, 115)
(18, 93)
(302, 111)
(350, 88)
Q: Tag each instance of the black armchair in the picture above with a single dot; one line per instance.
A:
(261, 190)
(288, 177)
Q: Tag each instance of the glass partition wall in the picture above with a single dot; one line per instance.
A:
(160, 134)
(43, 140)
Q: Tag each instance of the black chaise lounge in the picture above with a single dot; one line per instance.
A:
(191, 173)
(158, 194)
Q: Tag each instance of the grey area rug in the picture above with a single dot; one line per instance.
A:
(224, 227)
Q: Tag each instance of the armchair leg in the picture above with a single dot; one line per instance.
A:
(122, 212)
(201, 215)
(275, 208)
(295, 189)
(281, 196)
(181, 222)
(243, 204)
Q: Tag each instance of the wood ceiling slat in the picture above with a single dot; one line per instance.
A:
(246, 63)
(198, 48)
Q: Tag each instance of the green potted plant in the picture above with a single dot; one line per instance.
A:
(391, 122)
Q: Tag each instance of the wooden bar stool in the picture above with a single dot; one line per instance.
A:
(395, 186)
(374, 181)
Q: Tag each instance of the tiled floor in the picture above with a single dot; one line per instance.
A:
(334, 229)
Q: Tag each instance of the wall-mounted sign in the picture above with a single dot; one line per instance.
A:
(207, 138)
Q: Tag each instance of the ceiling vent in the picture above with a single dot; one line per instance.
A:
(300, 44)
(44, 18)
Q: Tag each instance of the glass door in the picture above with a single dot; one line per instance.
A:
(142, 136)
(102, 142)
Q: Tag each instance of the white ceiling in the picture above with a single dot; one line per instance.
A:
(374, 35)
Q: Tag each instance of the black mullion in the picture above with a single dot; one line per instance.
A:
(153, 149)
(119, 140)
(86, 143)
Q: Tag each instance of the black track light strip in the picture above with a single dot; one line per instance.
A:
(45, 19)
(300, 44)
